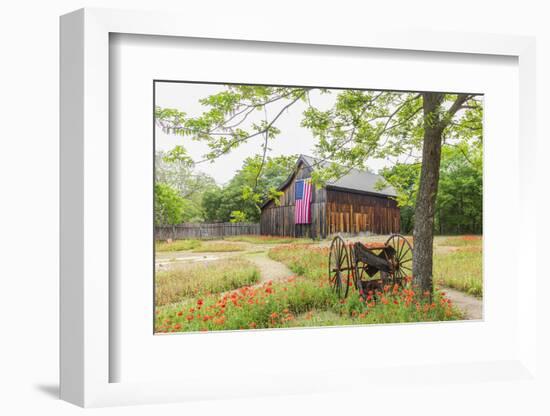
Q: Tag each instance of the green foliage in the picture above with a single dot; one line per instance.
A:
(169, 205)
(459, 204)
(178, 155)
(175, 169)
(238, 216)
(254, 183)
(460, 195)
(220, 125)
(404, 178)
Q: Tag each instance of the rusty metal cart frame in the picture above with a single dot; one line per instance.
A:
(358, 263)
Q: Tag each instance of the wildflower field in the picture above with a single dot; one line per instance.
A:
(460, 266)
(211, 300)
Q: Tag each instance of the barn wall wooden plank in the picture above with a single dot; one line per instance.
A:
(333, 211)
(354, 213)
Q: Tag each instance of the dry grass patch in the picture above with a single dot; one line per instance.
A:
(218, 247)
(176, 245)
(196, 279)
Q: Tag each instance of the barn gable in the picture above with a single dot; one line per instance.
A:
(355, 180)
(302, 170)
(352, 204)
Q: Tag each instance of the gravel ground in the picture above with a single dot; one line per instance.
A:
(470, 305)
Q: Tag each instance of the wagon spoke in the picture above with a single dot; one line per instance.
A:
(406, 252)
(401, 247)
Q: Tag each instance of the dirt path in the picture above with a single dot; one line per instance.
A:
(471, 306)
(269, 269)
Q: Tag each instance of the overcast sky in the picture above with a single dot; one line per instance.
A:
(293, 139)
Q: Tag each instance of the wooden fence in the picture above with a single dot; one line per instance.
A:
(205, 231)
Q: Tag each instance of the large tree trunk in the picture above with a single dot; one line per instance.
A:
(427, 192)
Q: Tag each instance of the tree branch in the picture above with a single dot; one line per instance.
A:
(461, 99)
(259, 132)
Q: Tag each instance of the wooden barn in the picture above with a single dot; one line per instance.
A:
(351, 205)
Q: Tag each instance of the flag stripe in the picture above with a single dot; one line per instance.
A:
(302, 209)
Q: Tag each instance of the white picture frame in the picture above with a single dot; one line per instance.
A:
(85, 220)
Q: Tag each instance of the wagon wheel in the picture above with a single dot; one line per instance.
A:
(339, 270)
(403, 257)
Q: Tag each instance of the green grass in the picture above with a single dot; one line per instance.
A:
(217, 247)
(176, 245)
(267, 239)
(311, 262)
(198, 279)
(461, 269)
(304, 300)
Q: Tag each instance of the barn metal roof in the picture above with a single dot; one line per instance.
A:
(355, 180)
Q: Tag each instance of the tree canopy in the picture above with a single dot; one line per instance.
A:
(360, 125)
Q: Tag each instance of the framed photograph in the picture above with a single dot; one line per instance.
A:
(253, 232)
(309, 214)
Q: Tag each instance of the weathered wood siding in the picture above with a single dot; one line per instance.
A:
(354, 213)
(205, 231)
(278, 219)
(332, 212)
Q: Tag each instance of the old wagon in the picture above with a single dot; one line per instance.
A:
(368, 266)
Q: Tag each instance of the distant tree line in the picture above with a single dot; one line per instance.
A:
(459, 202)
(183, 195)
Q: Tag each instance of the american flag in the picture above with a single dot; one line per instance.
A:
(302, 195)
